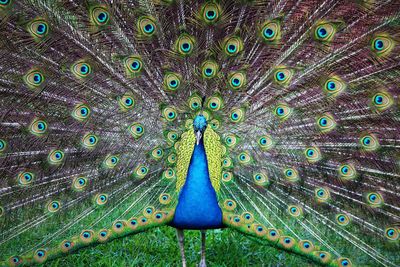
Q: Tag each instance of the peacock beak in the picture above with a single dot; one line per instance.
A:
(198, 137)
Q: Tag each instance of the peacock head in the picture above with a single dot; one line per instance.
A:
(199, 126)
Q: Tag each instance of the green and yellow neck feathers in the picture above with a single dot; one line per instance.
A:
(213, 148)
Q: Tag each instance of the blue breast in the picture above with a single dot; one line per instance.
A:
(197, 204)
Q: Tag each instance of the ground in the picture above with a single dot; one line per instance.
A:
(158, 247)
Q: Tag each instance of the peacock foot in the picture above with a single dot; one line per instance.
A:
(202, 263)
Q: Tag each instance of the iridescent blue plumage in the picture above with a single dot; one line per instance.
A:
(197, 203)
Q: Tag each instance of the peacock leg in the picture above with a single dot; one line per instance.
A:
(181, 239)
(203, 249)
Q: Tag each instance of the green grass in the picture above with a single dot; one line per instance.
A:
(159, 247)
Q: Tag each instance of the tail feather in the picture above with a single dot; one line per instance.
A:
(95, 98)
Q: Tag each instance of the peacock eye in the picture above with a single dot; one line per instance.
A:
(231, 140)
(111, 161)
(169, 173)
(322, 194)
(209, 69)
(81, 112)
(185, 47)
(89, 140)
(270, 31)
(84, 69)
(261, 179)
(325, 31)
(342, 219)
(382, 45)
(15, 259)
(38, 127)
(79, 183)
(81, 69)
(280, 76)
(291, 175)
(157, 153)
(140, 171)
(25, 178)
(233, 46)
(146, 26)
(40, 253)
(392, 233)
(4, 3)
(244, 158)
(283, 76)
(211, 13)
(313, 154)
(322, 32)
(101, 199)
(3, 145)
(53, 206)
(382, 101)
(215, 103)
(237, 80)
(172, 81)
(295, 211)
(378, 99)
(184, 44)
(55, 157)
(347, 172)
(237, 115)
(169, 113)
(342, 262)
(374, 199)
(99, 16)
(369, 142)
(331, 86)
(133, 66)
(326, 123)
(38, 29)
(378, 44)
(34, 78)
(229, 204)
(283, 111)
(136, 129)
(334, 86)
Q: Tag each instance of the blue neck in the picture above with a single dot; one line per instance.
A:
(197, 205)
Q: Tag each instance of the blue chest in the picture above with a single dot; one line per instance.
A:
(197, 204)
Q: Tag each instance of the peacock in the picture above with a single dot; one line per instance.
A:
(278, 120)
